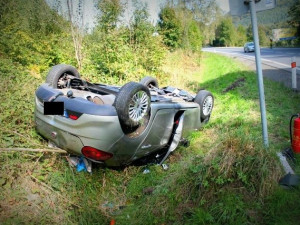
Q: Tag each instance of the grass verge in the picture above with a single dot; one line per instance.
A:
(224, 177)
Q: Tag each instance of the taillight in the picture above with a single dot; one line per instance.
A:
(71, 114)
(95, 154)
(73, 117)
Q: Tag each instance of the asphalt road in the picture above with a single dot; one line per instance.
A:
(277, 57)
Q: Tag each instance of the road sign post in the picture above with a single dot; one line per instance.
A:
(238, 8)
(259, 72)
(294, 77)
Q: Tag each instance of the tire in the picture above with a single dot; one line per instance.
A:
(149, 81)
(132, 104)
(57, 72)
(206, 102)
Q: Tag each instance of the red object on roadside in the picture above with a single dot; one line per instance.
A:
(296, 136)
(112, 222)
(293, 64)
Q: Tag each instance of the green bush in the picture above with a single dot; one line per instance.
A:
(194, 37)
(40, 40)
(120, 54)
(170, 27)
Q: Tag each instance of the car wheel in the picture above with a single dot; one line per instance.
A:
(206, 101)
(57, 76)
(149, 82)
(132, 104)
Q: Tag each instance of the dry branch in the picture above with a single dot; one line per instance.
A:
(32, 150)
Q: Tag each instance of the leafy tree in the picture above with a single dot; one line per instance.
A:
(263, 35)
(241, 35)
(140, 26)
(208, 15)
(170, 27)
(180, 26)
(148, 49)
(76, 25)
(36, 41)
(123, 52)
(111, 10)
(191, 34)
(225, 32)
(294, 16)
(194, 37)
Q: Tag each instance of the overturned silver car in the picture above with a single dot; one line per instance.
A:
(116, 125)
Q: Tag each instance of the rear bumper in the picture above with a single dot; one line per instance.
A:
(62, 139)
(100, 132)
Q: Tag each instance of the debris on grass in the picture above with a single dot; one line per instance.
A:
(148, 190)
(165, 166)
(146, 171)
(81, 163)
(72, 160)
(234, 85)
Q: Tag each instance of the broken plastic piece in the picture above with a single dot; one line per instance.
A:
(165, 166)
(88, 165)
(184, 142)
(146, 171)
(72, 160)
(81, 163)
(81, 166)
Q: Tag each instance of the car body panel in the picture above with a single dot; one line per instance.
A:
(98, 126)
(61, 138)
(159, 132)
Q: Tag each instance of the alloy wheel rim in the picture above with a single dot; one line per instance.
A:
(207, 105)
(138, 106)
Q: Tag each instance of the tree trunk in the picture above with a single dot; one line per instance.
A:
(76, 34)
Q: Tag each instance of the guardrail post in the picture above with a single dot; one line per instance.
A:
(294, 77)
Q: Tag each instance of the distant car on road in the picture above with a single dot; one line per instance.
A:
(249, 47)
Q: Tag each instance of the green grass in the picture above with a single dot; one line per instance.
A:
(226, 176)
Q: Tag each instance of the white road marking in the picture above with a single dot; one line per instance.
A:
(253, 58)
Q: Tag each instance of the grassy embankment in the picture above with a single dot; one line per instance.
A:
(224, 177)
